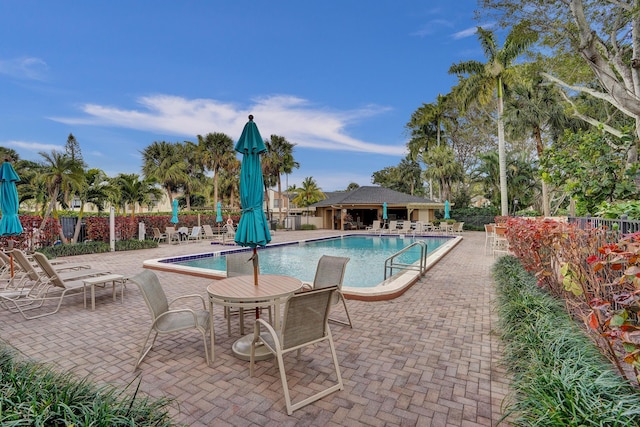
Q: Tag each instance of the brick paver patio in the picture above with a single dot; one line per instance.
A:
(427, 358)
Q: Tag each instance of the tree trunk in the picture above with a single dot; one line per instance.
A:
(504, 201)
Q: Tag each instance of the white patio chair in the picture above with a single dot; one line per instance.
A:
(330, 272)
(305, 322)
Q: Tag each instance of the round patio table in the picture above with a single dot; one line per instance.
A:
(240, 291)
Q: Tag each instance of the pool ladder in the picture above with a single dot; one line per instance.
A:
(391, 263)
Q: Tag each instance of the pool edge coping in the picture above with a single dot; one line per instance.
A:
(393, 288)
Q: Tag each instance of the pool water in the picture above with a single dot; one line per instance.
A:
(367, 256)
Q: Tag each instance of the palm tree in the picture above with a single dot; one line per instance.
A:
(309, 193)
(217, 152)
(163, 164)
(443, 167)
(532, 110)
(134, 191)
(95, 189)
(59, 172)
(486, 82)
(278, 160)
(193, 178)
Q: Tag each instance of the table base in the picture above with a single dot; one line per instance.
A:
(242, 349)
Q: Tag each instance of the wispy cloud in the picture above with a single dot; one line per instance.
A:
(298, 119)
(464, 33)
(24, 68)
(34, 147)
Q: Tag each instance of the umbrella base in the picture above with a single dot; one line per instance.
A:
(242, 349)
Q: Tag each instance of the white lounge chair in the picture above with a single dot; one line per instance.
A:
(196, 233)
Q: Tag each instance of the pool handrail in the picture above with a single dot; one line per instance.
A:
(389, 263)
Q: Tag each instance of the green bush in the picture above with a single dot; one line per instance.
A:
(34, 395)
(307, 227)
(95, 248)
(559, 376)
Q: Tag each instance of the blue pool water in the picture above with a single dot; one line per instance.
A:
(365, 268)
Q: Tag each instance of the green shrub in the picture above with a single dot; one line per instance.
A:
(307, 227)
(35, 395)
(95, 248)
(559, 376)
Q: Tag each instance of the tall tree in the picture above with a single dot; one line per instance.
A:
(135, 191)
(59, 172)
(217, 152)
(533, 110)
(309, 193)
(95, 189)
(161, 162)
(606, 36)
(278, 160)
(442, 167)
(486, 82)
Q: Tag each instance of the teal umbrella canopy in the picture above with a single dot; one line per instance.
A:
(447, 214)
(10, 222)
(219, 212)
(252, 229)
(174, 217)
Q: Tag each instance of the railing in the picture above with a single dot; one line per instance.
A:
(392, 263)
(621, 225)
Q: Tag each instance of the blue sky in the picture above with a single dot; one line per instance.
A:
(338, 78)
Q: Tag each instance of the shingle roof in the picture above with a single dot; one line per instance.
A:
(367, 195)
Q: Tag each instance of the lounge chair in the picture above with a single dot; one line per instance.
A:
(166, 320)
(393, 227)
(49, 286)
(305, 322)
(158, 236)
(196, 233)
(405, 228)
(208, 232)
(229, 232)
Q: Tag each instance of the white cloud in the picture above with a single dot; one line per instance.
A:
(303, 123)
(24, 68)
(35, 147)
(465, 33)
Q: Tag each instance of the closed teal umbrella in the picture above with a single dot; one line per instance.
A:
(174, 217)
(253, 230)
(447, 215)
(10, 222)
(219, 212)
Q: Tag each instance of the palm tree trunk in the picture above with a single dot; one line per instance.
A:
(504, 201)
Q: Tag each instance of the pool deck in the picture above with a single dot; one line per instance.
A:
(427, 358)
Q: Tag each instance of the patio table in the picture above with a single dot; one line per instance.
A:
(240, 291)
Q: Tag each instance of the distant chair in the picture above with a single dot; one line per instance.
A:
(500, 242)
(196, 233)
(305, 322)
(330, 272)
(159, 236)
(239, 264)
(208, 232)
(172, 234)
(166, 320)
(488, 237)
(458, 227)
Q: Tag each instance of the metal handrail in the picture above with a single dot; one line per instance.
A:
(390, 265)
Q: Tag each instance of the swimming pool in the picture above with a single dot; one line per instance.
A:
(365, 268)
(364, 278)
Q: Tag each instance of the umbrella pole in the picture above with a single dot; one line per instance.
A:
(255, 275)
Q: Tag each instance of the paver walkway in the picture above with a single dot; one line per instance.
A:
(426, 358)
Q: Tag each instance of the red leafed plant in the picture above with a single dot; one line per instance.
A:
(595, 271)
